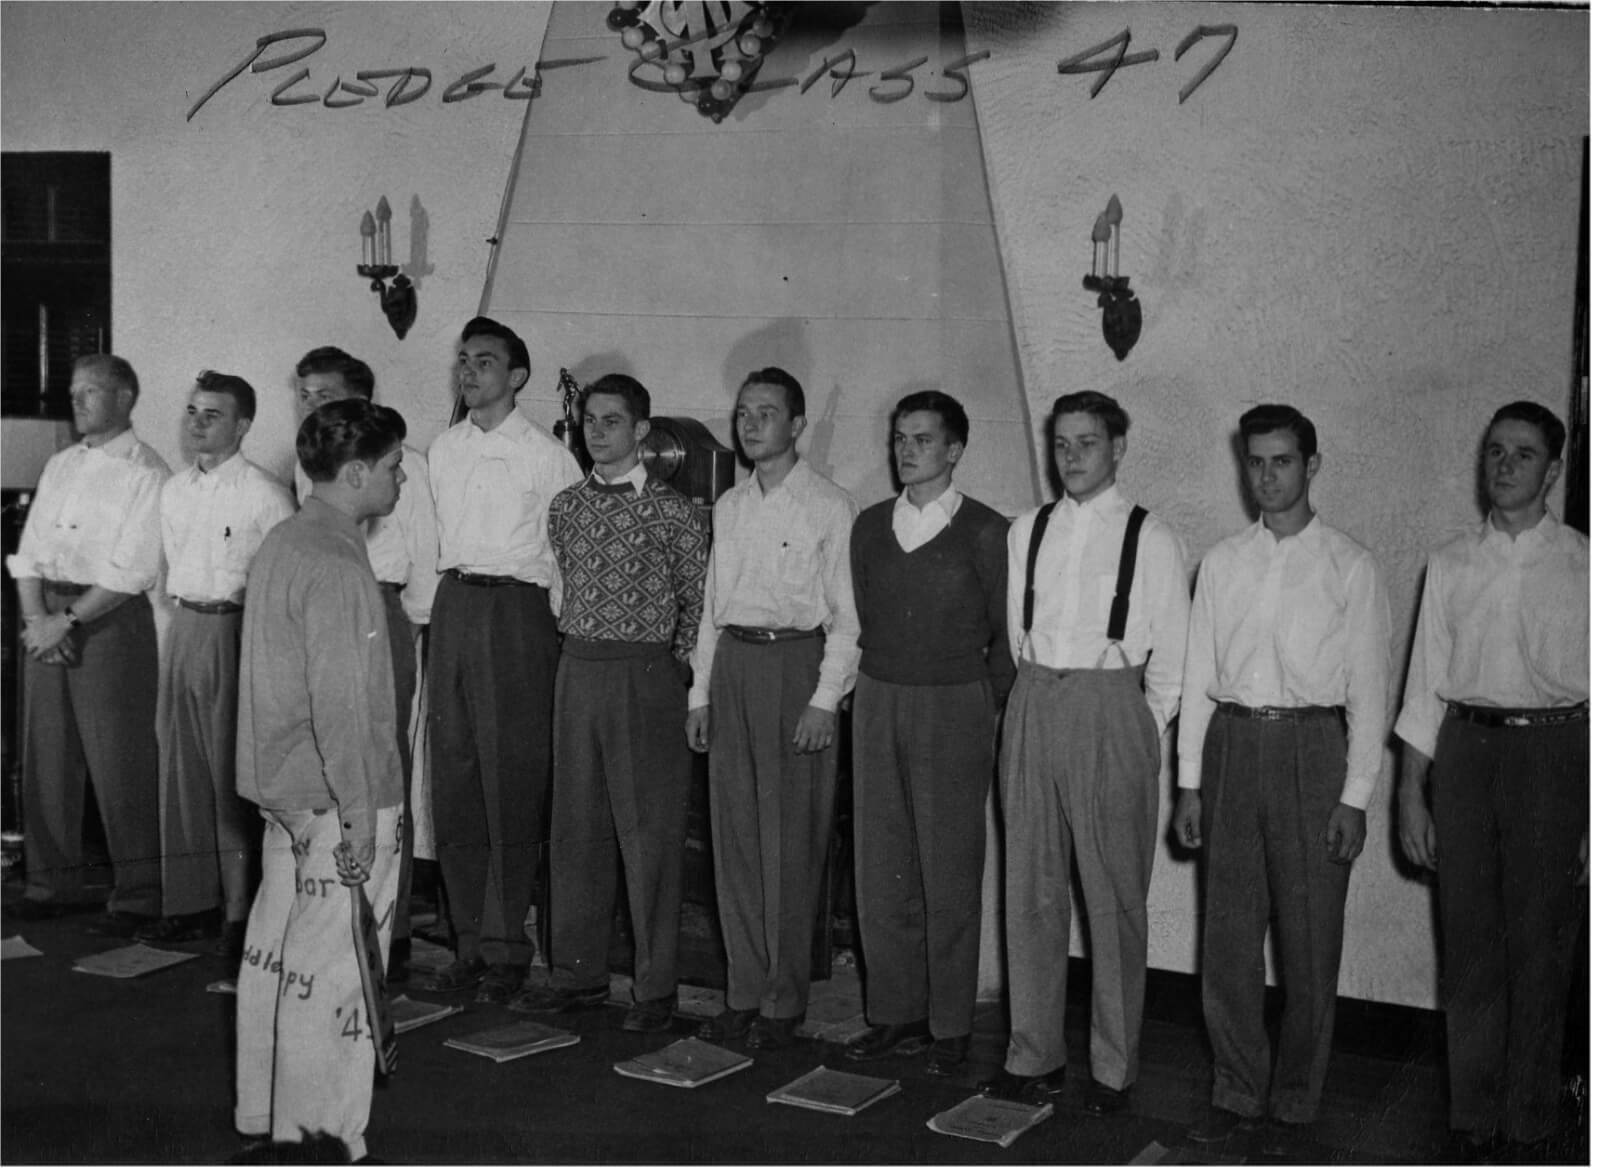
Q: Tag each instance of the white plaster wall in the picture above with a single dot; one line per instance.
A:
(1370, 213)
(234, 234)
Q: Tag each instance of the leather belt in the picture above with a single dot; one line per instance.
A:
(65, 587)
(480, 581)
(768, 636)
(391, 585)
(1279, 714)
(1496, 716)
(212, 607)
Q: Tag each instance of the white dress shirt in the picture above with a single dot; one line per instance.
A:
(782, 561)
(1302, 621)
(96, 517)
(492, 492)
(213, 521)
(916, 525)
(1075, 581)
(403, 545)
(1504, 623)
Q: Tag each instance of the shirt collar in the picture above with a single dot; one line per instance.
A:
(229, 471)
(515, 426)
(636, 477)
(944, 505)
(123, 445)
(1103, 505)
(334, 519)
(1312, 534)
(1546, 531)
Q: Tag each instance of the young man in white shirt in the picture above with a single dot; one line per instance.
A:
(775, 655)
(1497, 706)
(492, 662)
(1097, 609)
(1285, 694)
(89, 553)
(214, 515)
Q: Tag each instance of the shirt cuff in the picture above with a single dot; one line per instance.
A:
(21, 568)
(699, 696)
(358, 822)
(1358, 791)
(826, 699)
(1189, 774)
(1418, 732)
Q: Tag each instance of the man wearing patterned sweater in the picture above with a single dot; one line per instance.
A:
(632, 554)
(929, 569)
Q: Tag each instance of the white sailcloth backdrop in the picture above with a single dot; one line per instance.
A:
(845, 237)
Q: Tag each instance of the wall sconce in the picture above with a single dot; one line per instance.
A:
(398, 301)
(1122, 317)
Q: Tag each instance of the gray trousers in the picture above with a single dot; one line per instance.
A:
(1510, 806)
(621, 786)
(1267, 790)
(491, 686)
(771, 819)
(210, 839)
(1081, 758)
(924, 763)
(94, 721)
(403, 654)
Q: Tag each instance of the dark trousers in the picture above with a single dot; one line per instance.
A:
(621, 784)
(96, 719)
(210, 839)
(1267, 790)
(403, 653)
(771, 819)
(491, 683)
(1510, 807)
(924, 762)
(1081, 757)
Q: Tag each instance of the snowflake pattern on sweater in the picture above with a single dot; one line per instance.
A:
(633, 563)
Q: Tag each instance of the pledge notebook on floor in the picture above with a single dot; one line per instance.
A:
(990, 1120)
(516, 1040)
(687, 1063)
(409, 1014)
(833, 1091)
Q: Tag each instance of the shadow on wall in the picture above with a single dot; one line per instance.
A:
(418, 266)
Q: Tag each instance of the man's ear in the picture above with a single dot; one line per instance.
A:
(1551, 474)
(641, 429)
(957, 448)
(518, 377)
(1119, 447)
(797, 426)
(353, 474)
(1313, 464)
(244, 426)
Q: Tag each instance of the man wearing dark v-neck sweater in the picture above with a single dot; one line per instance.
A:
(929, 569)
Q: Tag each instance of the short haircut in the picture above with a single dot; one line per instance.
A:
(516, 349)
(776, 376)
(946, 407)
(1555, 433)
(1096, 404)
(117, 371)
(633, 393)
(1269, 418)
(236, 387)
(343, 431)
(325, 361)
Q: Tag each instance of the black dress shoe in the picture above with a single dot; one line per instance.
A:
(650, 1016)
(120, 924)
(728, 1025)
(1279, 1139)
(181, 928)
(1219, 1123)
(885, 1041)
(1102, 1100)
(543, 1001)
(772, 1032)
(1034, 1088)
(947, 1055)
(1471, 1147)
(456, 976)
(499, 984)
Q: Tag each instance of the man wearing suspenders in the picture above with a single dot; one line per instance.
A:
(1097, 614)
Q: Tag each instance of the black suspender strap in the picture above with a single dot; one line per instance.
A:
(1040, 521)
(1130, 554)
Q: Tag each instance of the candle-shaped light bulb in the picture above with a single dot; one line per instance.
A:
(1114, 218)
(1099, 235)
(385, 243)
(368, 245)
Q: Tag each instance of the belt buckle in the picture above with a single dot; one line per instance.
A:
(1518, 721)
(765, 636)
